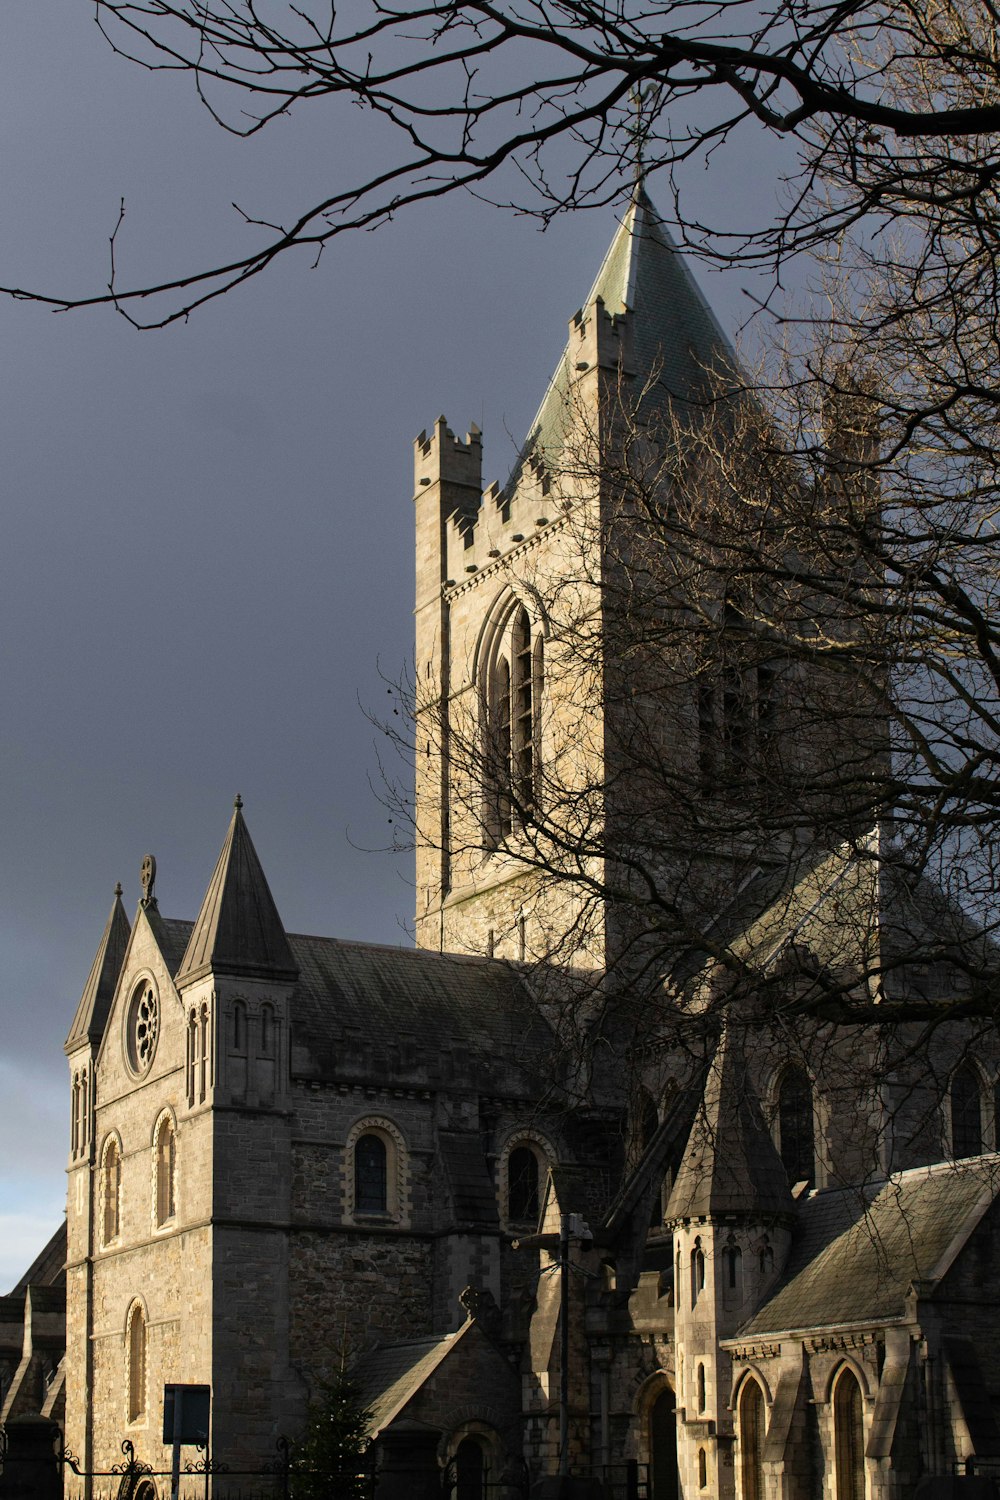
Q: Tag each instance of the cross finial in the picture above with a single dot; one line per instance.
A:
(639, 131)
(147, 878)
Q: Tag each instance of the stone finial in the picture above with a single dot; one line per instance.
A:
(118, 889)
(238, 802)
(147, 879)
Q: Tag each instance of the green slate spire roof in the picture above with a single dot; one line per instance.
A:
(238, 930)
(730, 1166)
(674, 333)
(95, 1002)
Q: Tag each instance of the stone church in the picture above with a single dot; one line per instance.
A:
(560, 1250)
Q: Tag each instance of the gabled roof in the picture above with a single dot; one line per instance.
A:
(730, 1166)
(392, 1374)
(675, 336)
(238, 930)
(360, 1009)
(95, 1002)
(857, 1251)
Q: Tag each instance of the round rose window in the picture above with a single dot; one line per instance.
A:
(142, 1027)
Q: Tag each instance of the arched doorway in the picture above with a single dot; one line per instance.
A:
(663, 1448)
(470, 1470)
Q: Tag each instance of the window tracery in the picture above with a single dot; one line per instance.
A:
(512, 694)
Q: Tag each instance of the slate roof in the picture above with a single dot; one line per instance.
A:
(49, 1266)
(674, 331)
(172, 936)
(392, 1374)
(730, 1165)
(95, 1002)
(856, 1251)
(238, 930)
(412, 1007)
(849, 909)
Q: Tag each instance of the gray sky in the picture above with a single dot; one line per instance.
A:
(207, 532)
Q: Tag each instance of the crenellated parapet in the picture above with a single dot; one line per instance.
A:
(471, 528)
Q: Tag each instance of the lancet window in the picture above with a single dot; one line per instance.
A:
(796, 1142)
(966, 1112)
(849, 1436)
(165, 1155)
(111, 1191)
(135, 1345)
(752, 1441)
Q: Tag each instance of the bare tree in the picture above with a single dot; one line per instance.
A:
(890, 110)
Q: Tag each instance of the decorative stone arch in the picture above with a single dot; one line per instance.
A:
(397, 1173)
(847, 1362)
(751, 1371)
(110, 1190)
(136, 1351)
(164, 1179)
(545, 1156)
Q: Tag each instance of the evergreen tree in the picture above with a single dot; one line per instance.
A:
(330, 1461)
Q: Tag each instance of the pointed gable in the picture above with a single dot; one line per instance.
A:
(238, 929)
(95, 1002)
(730, 1166)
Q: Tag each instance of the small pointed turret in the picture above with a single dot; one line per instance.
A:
(238, 930)
(95, 1002)
(730, 1166)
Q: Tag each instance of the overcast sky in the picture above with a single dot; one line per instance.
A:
(207, 532)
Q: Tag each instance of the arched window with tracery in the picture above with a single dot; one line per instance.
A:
(849, 1437)
(165, 1152)
(752, 1426)
(796, 1141)
(135, 1359)
(513, 697)
(965, 1099)
(111, 1190)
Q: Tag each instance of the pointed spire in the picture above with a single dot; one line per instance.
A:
(238, 930)
(95, 1002)
(674, 335)
(730, 1166)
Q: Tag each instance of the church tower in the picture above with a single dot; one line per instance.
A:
(515, 701)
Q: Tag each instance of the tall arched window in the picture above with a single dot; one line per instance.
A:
(752, 1441)
(513, 695)
(966, 1112)
(135, 1346)
(663, 1476)
(166, 1171)
(371, 1191)
(522, 1186)
(701, 1387)
(849, 1437)
(795, 1125)
(732, 1273)
(111, 1191)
